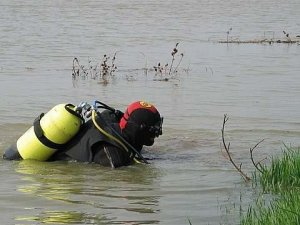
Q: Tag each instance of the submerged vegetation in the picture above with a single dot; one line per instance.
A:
(279, 185)
(105, 69)
(285, 39)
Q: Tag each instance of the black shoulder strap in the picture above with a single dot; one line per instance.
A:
(42, 138)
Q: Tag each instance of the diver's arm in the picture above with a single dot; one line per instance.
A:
(110, 156)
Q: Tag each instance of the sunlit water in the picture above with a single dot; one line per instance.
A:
(257, 86)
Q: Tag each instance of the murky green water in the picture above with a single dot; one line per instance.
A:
(256, 85)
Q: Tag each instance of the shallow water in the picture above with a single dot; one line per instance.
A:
(256, 85)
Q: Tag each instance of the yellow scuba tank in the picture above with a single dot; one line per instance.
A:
(49, 132)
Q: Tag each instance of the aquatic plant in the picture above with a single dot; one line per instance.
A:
(102, 70)
(281, 210)
(228, 32)
(282, 179)
(283, 172)
(167, 72)
(286, 40)
(105, 68)
(287, 35)
(279, 181)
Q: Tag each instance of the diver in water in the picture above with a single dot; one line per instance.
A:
(110, 138)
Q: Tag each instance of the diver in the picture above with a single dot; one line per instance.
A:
(110, 138)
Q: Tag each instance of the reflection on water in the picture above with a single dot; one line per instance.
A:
(64, 217)
(109, 193)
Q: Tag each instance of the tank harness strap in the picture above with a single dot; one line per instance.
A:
(42, 138)
(71, 111)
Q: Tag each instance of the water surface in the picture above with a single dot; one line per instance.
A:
(256, 85)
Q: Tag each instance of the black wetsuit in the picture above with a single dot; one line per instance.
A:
(91, 145)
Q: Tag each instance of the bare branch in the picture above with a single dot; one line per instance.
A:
(252, 160)
(223, 153)
(238, 168)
